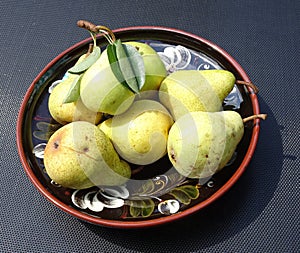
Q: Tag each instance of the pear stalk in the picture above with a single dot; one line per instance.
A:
(249, 84)
(97, 29)
(90, 50)
(256, 116)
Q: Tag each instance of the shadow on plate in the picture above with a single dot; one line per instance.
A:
(232, 213)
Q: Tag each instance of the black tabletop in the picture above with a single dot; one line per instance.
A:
(259, 214)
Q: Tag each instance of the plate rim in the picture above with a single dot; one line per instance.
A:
(149, 222)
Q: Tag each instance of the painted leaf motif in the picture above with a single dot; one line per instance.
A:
(134, 211)
(45, 126)
(146, 188)
(185, 193)
(74, 91)
(87, 62)
(181, 196)
(142, 208)
(190, 190)
(148, 209)
(45, 130)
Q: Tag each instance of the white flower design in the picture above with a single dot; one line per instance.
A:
(175, 58)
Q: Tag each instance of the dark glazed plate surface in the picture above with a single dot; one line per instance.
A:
(167, 187)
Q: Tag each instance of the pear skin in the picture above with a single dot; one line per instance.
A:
(64, 113)
(79, 155)
(100, 90)
(202, 143)
(195, 90)
(140, 134)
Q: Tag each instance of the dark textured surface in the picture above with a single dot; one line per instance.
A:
(259, 214)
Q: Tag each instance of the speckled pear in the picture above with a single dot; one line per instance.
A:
(140, 134)
(64, 113)
(195, 90)
(79, 155)
(202, 143)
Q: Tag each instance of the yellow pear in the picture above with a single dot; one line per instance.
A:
(195, 90)
(202, 143)
(79, 155)
(67, 112)
(140, 134)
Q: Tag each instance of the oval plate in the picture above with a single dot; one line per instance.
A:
(167, 195)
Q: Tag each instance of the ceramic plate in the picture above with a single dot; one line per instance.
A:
(160, 194)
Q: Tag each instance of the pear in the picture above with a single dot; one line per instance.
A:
(64, 113)
(140, 134)
(195, 90)
(79, 155)
(202, 143)
(100, 90)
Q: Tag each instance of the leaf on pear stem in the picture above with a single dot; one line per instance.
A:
(74, 91)
(87, 62)
(137, 64)
(127, 65)
(113, 61)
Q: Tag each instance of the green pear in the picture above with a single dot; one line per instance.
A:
(202, 143)
(195, 90)
(140, 134)
(64, 113)
(79, 155)
(100, 90)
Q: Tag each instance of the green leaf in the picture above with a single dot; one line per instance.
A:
(87, 62)
(74, 91)
(137, 64)
(125, 67)
(113, 61)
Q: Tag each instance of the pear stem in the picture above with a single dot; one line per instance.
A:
(251, 85)
(90, 50)
(110, 35)
(87, 25)
(97, 29)
(256, 116)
